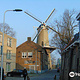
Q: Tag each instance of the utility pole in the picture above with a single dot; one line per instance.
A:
(2, 47)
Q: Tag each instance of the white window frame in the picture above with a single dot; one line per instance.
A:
(24, 54)
(30, 54)
(8, 55)
(9, 42)
(8, 67)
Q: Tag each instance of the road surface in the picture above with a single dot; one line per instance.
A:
(49, 75)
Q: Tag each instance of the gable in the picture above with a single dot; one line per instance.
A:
(29, 45)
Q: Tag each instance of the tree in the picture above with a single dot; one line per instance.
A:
(53, 58)
(7, 30)
(64, 29)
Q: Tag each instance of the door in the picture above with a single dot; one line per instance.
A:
(31, 68)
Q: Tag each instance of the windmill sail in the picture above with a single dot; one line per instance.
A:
(50, 15)
(32, 16)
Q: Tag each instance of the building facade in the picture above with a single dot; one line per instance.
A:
(32, 56)
(70, 60)
(9, 52)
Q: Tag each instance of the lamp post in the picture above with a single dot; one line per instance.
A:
(17, 10)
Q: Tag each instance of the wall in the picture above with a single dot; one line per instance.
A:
(13, 52)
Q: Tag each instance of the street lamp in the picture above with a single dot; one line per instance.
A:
(17, 10)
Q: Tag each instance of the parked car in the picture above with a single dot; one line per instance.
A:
(16, 73)
(58, 69)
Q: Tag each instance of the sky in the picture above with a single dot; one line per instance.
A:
(23, 24)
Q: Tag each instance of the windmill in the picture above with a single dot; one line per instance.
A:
(42, 34)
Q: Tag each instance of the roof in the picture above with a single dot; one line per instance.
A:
(36, 46)
(31, 44)
(78, 17)
(72, 43)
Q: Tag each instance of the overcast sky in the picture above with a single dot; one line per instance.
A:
(23, 24)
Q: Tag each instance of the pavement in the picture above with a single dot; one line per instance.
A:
(49, 75)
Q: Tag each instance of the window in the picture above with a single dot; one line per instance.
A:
(9, 42)
(42, 43)
(26, 62)
(8, 67)
(8, 55)
(29, 54)
(0, 37)
(24, 54)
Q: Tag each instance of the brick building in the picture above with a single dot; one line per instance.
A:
(70, 59)
(9, 52)
(32, 56)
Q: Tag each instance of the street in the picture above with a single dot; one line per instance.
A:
(49, 75)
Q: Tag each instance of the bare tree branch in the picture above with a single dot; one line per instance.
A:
(7, 30)
(64, 29)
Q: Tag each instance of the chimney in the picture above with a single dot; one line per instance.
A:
(28, 38)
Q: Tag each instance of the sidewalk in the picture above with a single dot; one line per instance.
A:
(34, 74)
(44, 75)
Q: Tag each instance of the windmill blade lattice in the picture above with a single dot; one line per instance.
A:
(32, 16)
(50, 15)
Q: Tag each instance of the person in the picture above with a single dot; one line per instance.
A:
(55, 77)
(25, 73)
